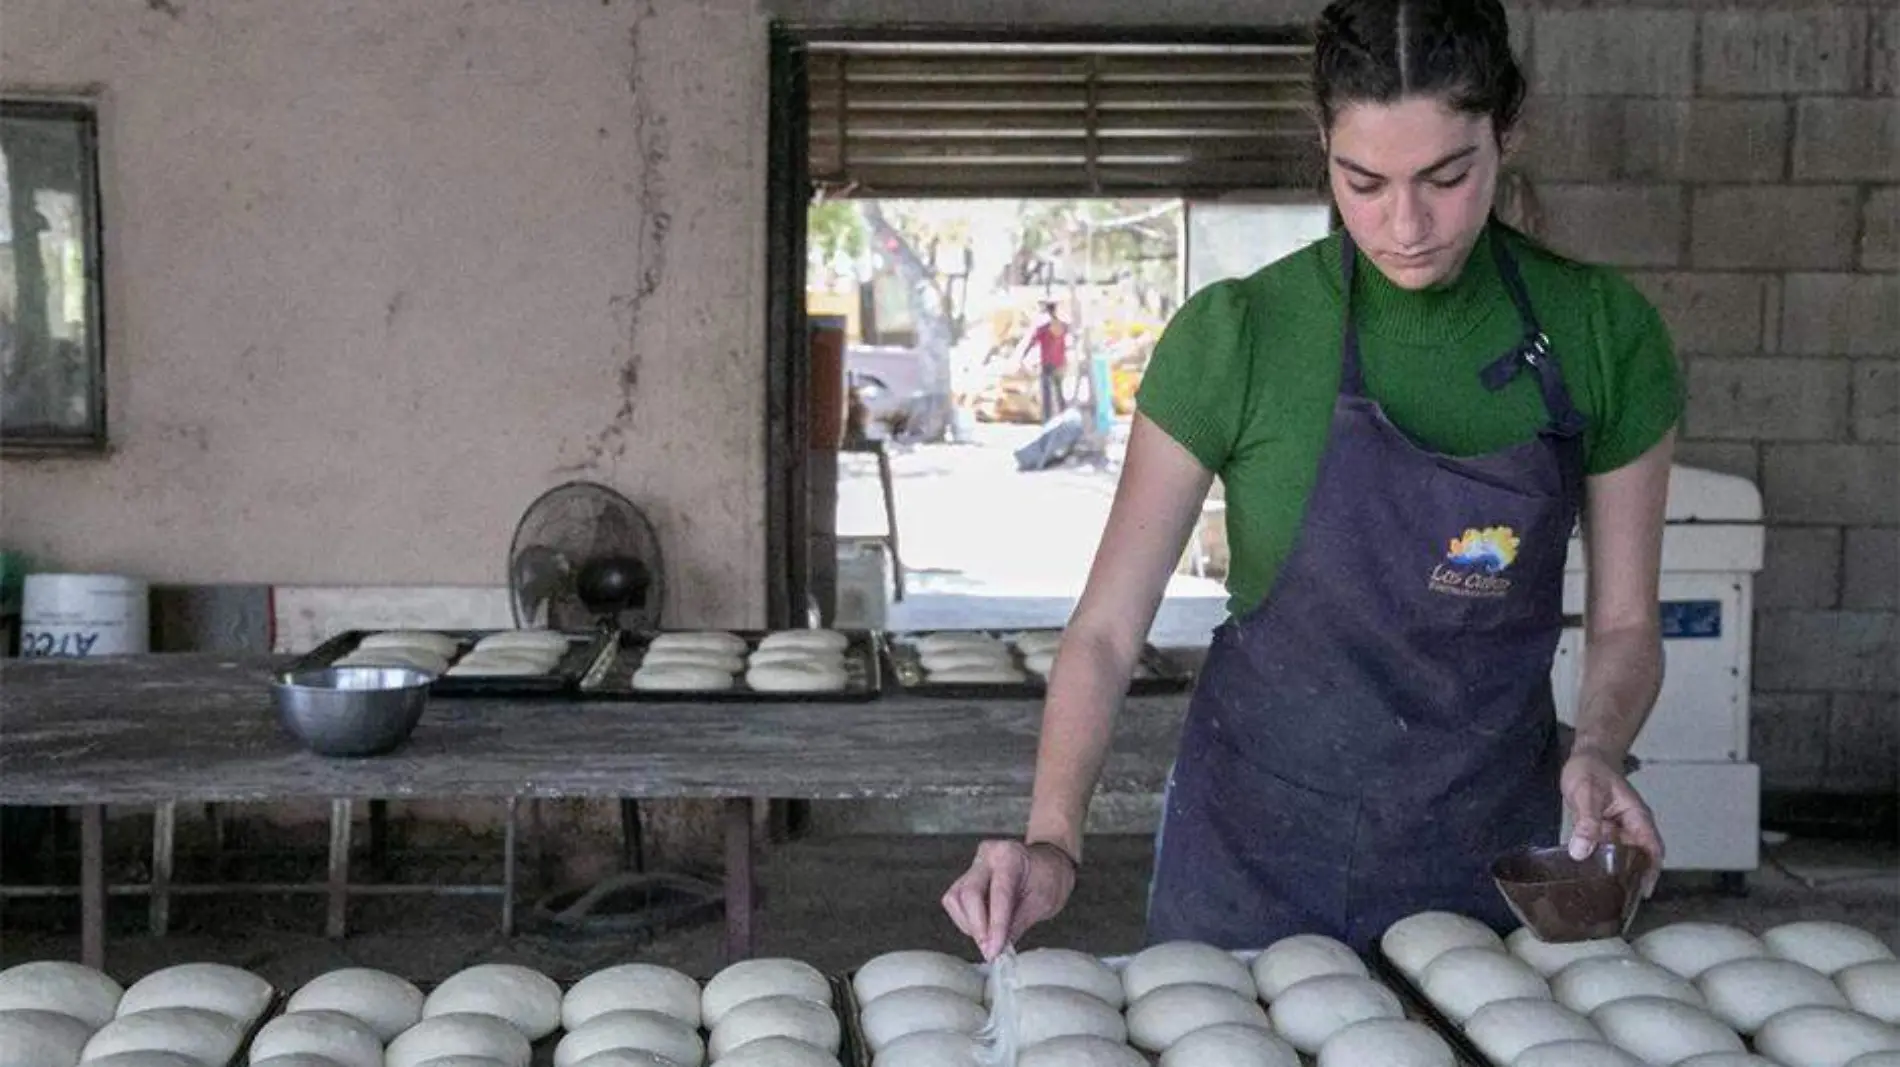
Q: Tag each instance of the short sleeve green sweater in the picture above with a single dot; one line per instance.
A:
(1245, 375)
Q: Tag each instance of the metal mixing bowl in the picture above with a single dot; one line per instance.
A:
(352, 711)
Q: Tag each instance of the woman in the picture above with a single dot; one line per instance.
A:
(1408, 418)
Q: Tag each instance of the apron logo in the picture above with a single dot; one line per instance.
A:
(1475, 563)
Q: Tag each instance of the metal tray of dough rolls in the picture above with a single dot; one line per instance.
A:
(1154, 672)
(584, 652)
(612, 677)
(1420, 1007)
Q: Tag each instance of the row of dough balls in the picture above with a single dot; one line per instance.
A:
(507, 653)
(965, 656)
(191, 1015)
(785, 661)
(1683, 994)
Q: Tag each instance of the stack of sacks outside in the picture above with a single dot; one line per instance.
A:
(50, 1009)
(514, 653)
(421, 650)
(197, 1013)
(968, 657)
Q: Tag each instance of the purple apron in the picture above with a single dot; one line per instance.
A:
(1363, 743)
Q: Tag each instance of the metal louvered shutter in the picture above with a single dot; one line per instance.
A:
(1059, 120)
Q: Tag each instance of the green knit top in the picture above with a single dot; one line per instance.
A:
(1245, 375)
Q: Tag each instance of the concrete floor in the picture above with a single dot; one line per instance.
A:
(835, 902)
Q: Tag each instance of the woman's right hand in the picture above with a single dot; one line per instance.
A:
(1010, 887)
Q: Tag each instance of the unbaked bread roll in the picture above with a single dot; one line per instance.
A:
(1659, 1030)
(681, 679)
(1871, 1059)
(1047, 1012)
(491, 667)
(1577, 1054)
(1387, 1043)
(411, 658)
(1178, 962)
(809, 677)
(1503, 1029)
(918, 1009)
(1069, 969)
(643, 1031)
(1294, 959)
(1823, 1037)
(148, 1059)
(923, 1049)
(1039, 663)
(1872, 989)
(311, 1059)
(786, 1016)
(830, 640)
(992, 674)
(910, 968)
(465, 1034)
(1082, 1050)
(216, 987)
(1589, 984)
(631, 987)
(1160, 1017)
(1462, 980)
(689, 657)
(1547, 957)
(330, 1034)
(528, 999)
(1689, 948)
(1033, 642)
(719, 641)
(32, 1037)
(1415, 941)
(1828, 947)
(538, 640)
(766, 977)
(775, 1052)
(1230, 1045)
(951, 640)
(767, 657)
(385, 1003)
(441, 645)
(67, 988)
(207, 1036)
(1309, 1012)
(614, 1057)
(1745, 993)
(951, 659)
(1733, 1059)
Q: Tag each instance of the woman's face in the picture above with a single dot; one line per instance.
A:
(1414, 180)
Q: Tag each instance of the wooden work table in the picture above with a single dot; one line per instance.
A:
(164, 729)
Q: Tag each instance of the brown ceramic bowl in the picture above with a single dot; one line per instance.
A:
(1562, 899)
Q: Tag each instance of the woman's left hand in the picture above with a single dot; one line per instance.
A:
(1604, 808)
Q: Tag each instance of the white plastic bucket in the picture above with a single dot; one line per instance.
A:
(84, 615)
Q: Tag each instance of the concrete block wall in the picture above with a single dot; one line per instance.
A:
(1743, 163)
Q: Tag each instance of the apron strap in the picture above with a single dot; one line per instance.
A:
(1533, 351)
(1352, 380)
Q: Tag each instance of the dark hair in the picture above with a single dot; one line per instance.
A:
(1377, 51)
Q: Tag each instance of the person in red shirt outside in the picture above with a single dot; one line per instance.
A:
(1050, 339)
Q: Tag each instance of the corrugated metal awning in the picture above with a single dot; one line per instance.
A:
(934, 119)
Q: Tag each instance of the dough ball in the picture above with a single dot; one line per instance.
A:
(1178, 962)
(1230, 1045)
(681, 678)
(768, 656)
(1415, 941)
(1576, 1054)
(215, 987)
(465, 1034)
(1308, 1013)
(206, 1036)
(1587, 985)
(1462, 980)
(1823, 1037)
(1030, 642)
(1040, 663)
(641, 1031)
(1292, 960)
(439, 643)
(385, 1003)
(786, 1016)
(615, 1057)
(538, 640)
(1872, 989)
(774, 1052)
(991, 674)
(631, 987)
(66, 988)
(1045, 1013)
(916, 967)
(919, 1009)
(490, 667)
(1503, 1029)
(1070, 969)
(144, 1059)
(528, 999)
(1662, 1031)
(32, 1037)
(1388, 1043)
(330, 1034)
(808, 677)
(752, 979)
(929, 1048)
(1689, 948)
(420, 659)
(1082, 1050)
(1733, 1059)
(1871, 1059)
(718, 641)
(951, 640)
(820, 640)
(1547, 958)
(1745, 993)
(1828, 947)
(688, 657)
(995, 656)
(311, 1059)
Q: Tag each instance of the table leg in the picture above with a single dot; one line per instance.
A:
(92, 886)
(741, 881)
(510, 852)
(336, 923)
(890, 519)
(164, 829)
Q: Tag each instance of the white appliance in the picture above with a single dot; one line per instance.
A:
(1696, 775)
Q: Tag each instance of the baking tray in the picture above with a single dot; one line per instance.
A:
(1155, 674)
(611, 677)
(857, 1049)
(583, 652)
